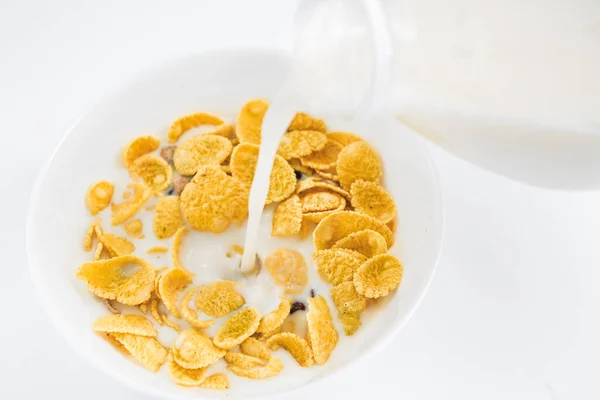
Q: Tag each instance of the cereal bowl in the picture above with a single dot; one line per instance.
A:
(219, 82)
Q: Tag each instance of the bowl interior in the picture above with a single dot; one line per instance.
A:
(219, 82)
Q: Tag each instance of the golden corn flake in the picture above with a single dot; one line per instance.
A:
(134, 228)
(265, 336)
(344, 138)
(184, 376)
(213, 199)
(138, 147)
(184, 124)
(99, 196)
(170, 324)
(304, 122)
(296, 144)
(296, 164)
(170, 284)
(288, 269)
(318, 216)
(100, 254)
(341, 224)
(287, 219)
(144, 306)
(167, 218)
(321, 200)
(371, 199)
(199, 151)
(218, 299)
(176, 249)
(393, 224)
(237, 328)
(193, 349)
(378, 275)
(321, 333)
(325, 158)
(305, 229)
(249, 123)
(160, 272)
(153, 170)
(242, 360)
(147, 350)
(358, 161)
(112, 279)
(349, 305)
(89, 235)
(337, 265)
(115, 245)
(368, 243)
(295, 345)
(225, 130)
(155, 313)
(273, 368)
(116, 344)
(282, 179)
(274, 319)
(127, 209)
(157, 250)
(120, 323)
(189, 314)
(315, 182)
(216, 381)
(255, 348)
(238, 249)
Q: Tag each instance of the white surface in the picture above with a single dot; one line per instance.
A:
(219, 82)
(512, 312)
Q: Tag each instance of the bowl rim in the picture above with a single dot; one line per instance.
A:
(43, 294)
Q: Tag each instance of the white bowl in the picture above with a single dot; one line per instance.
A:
(220, 82)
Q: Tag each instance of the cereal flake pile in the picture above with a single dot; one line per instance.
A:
(324, 182)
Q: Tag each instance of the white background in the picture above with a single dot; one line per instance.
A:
(513, 309)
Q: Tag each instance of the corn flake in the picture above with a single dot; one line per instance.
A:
(184, 124)
(99, 196)
(325, 158)
(288, 269)
(100, 254)
(176, 249)
(296, 164)
(184, 376)
(115, 245)
(171, 282)
(134, 228)
(316, 201)
(318, 216)
(199, 151)
(170, 324)
(330, 174)
(255, 348)
(282, 179)
(368, 243)
(157, 250)
(216, 381)
(337, 265)
(213, 199)
(315, 182)
(358, 161)
(218, 299)
(189, 314)
(242, 360)
(371, 199)
(127, 209)
(107, 279)
(138, 147)
(295, 345)
(237, 328)
(249, 123)
(305, 122)
(167, 217)
(296, 144)
(321, 332)
(341, 224)
(193, 349)
(89, 235)
(120, 323)
(147, 350)
(155, 312)
(349, 305)
(274, 319)
(378, 275)
(273, 368)
(287, 219)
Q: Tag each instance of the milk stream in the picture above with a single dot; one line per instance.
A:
(277, 119)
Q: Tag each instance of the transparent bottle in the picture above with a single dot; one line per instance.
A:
(513, 87)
